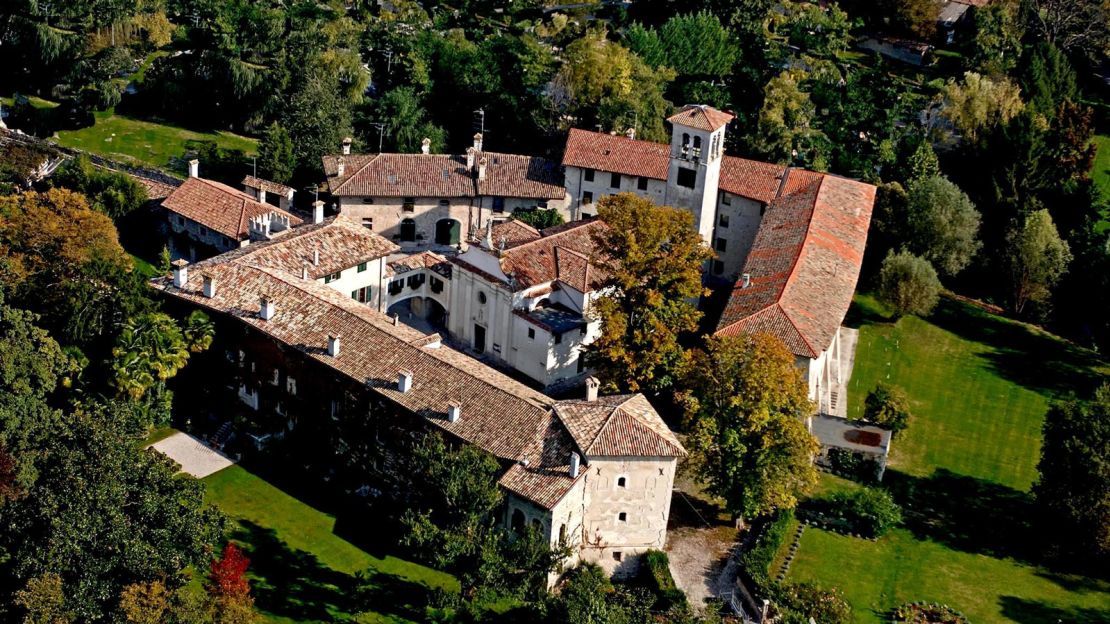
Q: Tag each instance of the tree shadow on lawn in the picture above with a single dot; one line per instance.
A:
(1033, 612)
(1035, 360)
(965, 513)
(294, 584)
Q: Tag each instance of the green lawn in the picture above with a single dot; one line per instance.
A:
(145, 142)
(303, 571)
(979, 386)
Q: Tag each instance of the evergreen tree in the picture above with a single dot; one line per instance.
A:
(275, 155)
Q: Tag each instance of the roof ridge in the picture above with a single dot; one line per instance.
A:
(355, 173)
(794, 324)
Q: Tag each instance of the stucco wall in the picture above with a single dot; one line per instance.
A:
(744, 216)
(388, 213)
(577, 184)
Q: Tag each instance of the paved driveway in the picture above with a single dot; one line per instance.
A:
(192, 455)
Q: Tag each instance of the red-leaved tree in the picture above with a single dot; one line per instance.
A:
(228, 574)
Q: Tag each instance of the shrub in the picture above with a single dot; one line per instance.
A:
(908, 284)
(799, 602)
(853, 465)
(539, 218)
(755, 564)
(925, 613)
(887, 406)
(655, 575)
(870, 511)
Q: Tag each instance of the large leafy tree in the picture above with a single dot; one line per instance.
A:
(1047, 78)
(1072, 487)
(1081, 26)
(943, 224)
(276, 160)
(406, 123)
(110, 192)
(786, 131)
(978, 103)
(746, 405)
(652, 272)
(908, 284)
(996, 42)
(151, 348)
(1038, 258)
(693, 45)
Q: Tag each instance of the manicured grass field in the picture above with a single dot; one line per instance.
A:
(979, 386)
(303, 571)
(144, 142)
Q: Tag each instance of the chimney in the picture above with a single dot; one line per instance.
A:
(266, 309)
(316, 256)
(180, 272)
(575, 464)
(478, 142)
(394, 318)
(482, 168)
(426, 146)
(630, 133)
(304, 271)
(346, 148)
(317, 211)
(286, 200)
(454, 411)
(261, 196)
(333, 345)
(470, 152)
(194, 168)
(404, 380)
(592, 384)
(340, 166)
(746, 280)
(209, 286)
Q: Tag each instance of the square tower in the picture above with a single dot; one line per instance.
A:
(697, 147)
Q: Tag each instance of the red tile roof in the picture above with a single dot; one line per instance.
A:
(219, 207)
(266, 185)
(804, 263)
(751, 178)
(701, 117)
(561, 253)
(619, 426)
(443, 175)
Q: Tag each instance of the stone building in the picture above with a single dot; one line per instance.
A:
(310, 361)
(438, 201)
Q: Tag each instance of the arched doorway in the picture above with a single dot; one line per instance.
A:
(422, 313)
(408, 230)
(517, 523)
(448, 232)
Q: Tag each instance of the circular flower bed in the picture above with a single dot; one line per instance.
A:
(928, 613)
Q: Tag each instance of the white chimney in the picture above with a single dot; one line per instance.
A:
(478, 142)
(470, 152)
(316, 256)
(333, 346)
(746, 280)
(304, 271)
(592, 384)
(317, 211)
(261, 196)
(194, 168)
(482, 168)
(426, 146)
(180, 272)
(404, 381)
(340, 165)
(630, 133)
(346, 148)
(454, 411)
(575, 464)
(286, 200)
(395, 319)
(209, 286)
(266, 309)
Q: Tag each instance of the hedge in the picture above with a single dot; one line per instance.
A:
(655, 575)
(755, 563)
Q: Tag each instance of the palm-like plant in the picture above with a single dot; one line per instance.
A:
(150, 349)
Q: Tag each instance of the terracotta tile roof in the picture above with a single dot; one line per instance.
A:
(618, 154)
(219, 207)
(511, 232)
(701, 117)
(442, 175)
(342, 244)
(751, 178)
(266, 185)
(618, 426)
(422, 260)
(546, 479)
(804, 263)
(560, 253)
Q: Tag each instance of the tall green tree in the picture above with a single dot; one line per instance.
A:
(746, 404)
(943, 224)
(317, 117)
(652, 271)
(693, 45)
(786, 132)
(996, 38)
(908, 284)
(1047, 78)
(276, 160)
(1038, 258)
(151, 349)
(406, 123)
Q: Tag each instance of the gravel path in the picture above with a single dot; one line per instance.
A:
(193, 455)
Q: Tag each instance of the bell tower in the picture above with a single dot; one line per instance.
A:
(693, 177)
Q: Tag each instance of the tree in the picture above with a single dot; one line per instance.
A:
(819, 31)
(538, 218)
(1073, 473)
(317, 117)
(406, 122)
(588, 596)
(917, 18)
(745, 403)
(908, 284)
(802, 602)
(112, 193)
(943, 224)
(887, 406)
(275, 154)
(31, 362)
(1071, 25)
(43, 598)
(923, 163)
(145, 603)
(1038, 258)
(1047, 78)
(692, 45)
(980, 103)
(227, 576)
(652, 270)
(871, 511)
(785, 132)
(151, 349)
(996, 42)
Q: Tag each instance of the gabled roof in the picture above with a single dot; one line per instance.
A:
(618, 426)
(701, 117)
(443, 175)
(804, 263)
(219, 207)
(266, 185)
(561, 253)
(751, 178)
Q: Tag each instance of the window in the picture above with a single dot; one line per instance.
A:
(396, 286)
(615, 180)
(443, 203)
(531, 334)
(587, 198)
(726, 199)
(333, 277)
(687, 177)
(367, 200)
(723, 221)
(499, 204)
(415, 281)
(642, 183)
(361, 267)
(436, 284)
(481, 297)
(622, 482)
(562, 534)
(588, 175)
(697, 146)
(616, 555)
(558, 338)
(718, 267)
(542, 205)
(362, 295)
(368, 223)
(408, 230)
(277, 377)
(291, 386)
(722, 244)
(622, 516)
(409, 204)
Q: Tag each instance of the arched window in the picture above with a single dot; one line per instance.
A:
(697, 142)
(537, 526)
(562, 534)
(447, 232)
(408, 230)
(517, 523)
(685, 139)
